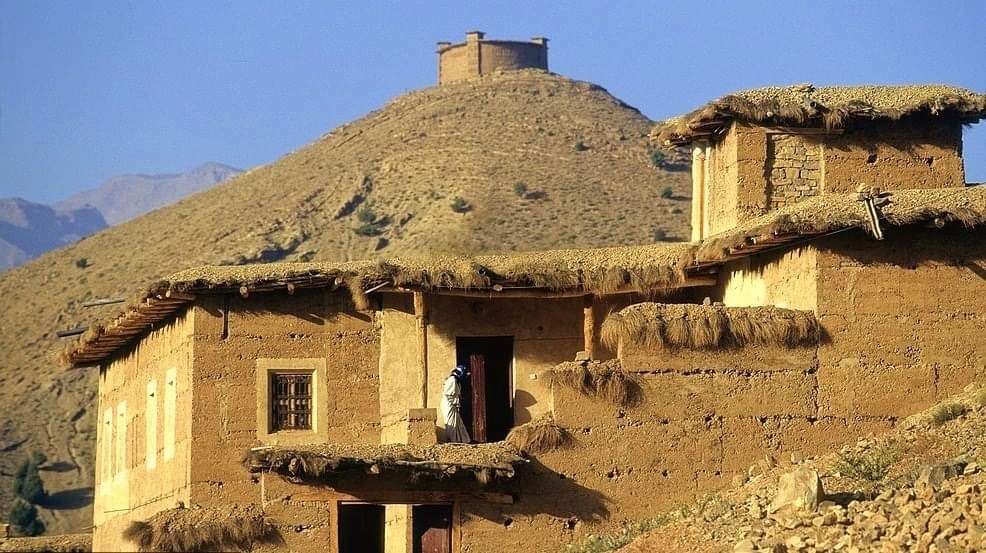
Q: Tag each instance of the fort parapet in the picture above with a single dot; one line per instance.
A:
(477, 57)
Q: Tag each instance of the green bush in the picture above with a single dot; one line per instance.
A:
(24, 518)
(658, 158)
(365, 214)
(667, 193)
(27, 483)
(520, 189)
(580, 146)
(82, 262)
(868, 466)
(368, 229)
(460, 205)
(946, 412)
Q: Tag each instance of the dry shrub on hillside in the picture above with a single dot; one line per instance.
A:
(946, 412)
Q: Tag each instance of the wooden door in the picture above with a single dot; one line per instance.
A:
(477, 366)
(432, 525)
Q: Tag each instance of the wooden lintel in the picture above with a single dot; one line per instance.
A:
(176, 295)
(404, 496)
(506, 292)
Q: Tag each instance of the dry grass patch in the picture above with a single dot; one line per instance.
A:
(945, 412)
(220, 529)
(539, 436)
(605, 380)
(869, 467)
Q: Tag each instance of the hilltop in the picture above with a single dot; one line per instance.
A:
(511, 161)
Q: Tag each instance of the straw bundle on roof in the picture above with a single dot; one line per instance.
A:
(708, 326)
(604, 380)
(215, 529)
(539, 436)
(829, 107)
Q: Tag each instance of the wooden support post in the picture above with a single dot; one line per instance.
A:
(698, 192)
(421, 319)
(589, 325)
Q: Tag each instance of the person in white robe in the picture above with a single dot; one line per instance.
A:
(455, 428)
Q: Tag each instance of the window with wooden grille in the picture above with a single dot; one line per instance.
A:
(291, 401)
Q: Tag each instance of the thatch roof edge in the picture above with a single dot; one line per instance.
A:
(647, 269)
(824, 107)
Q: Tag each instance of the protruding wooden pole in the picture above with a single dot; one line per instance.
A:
(589, 325)
(421, 319)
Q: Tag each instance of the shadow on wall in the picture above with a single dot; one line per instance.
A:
(543, 491)
(68, 499)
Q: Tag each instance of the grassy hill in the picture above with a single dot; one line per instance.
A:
(512, 161)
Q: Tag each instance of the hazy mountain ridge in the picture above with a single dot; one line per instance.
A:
(29, 229)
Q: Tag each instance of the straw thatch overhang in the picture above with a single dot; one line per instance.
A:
(64, 543)
(827, 214)
(226, 528)
(829, 108)
(673, 326)
(641, 269)
(482, 463)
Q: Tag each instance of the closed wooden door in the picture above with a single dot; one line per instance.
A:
(477, 366)
(432, 526)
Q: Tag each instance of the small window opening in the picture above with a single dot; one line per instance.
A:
(292, 401)
(871, 159)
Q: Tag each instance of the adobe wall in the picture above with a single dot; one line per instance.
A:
(786, 278)
(906, 320)
(752, 170)
(143, 437)
(316, 330)
(926, 153)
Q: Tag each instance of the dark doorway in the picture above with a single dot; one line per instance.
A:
(487, 395)
(361, 528)
(432, 527)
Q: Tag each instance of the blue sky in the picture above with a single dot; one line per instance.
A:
(89, 90)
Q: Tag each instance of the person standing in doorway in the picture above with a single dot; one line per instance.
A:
(455, 428)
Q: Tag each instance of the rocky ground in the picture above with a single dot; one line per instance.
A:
(921, 488)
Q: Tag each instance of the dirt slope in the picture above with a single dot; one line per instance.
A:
(582, 155)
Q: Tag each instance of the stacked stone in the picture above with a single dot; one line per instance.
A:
(794, 169)
(936, 514)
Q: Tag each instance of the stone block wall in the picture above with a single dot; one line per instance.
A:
(794, 170)
(477, 57)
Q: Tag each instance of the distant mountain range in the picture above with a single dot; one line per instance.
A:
(29, 229)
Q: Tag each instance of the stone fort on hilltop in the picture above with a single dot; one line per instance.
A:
(477, 57)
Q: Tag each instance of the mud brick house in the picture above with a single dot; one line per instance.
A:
(293, 406)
